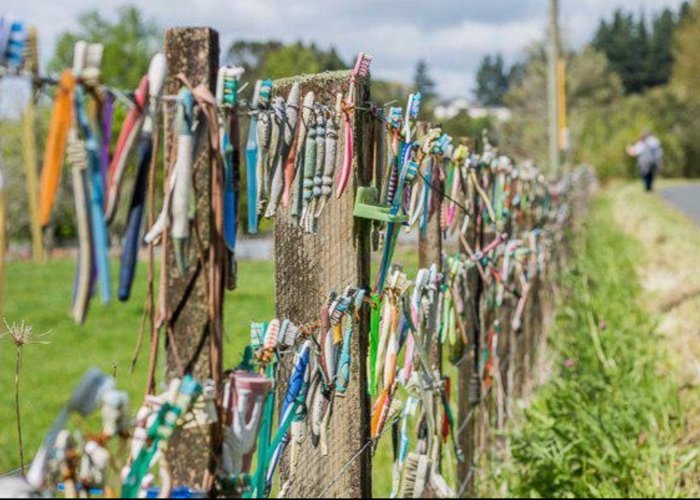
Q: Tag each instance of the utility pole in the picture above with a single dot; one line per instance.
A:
(552, 85)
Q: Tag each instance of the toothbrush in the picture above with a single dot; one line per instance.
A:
(309, 167)
(182, 396)
(320, 137)
(16, 42)
(407, 169)
(360, 70)
(182, 178)
(295, 396)
(343, 371)
(276, 118)
(83, 401)
(264, 135)
(251, 152)
(227, 100)
(77, 159)
(292, 177)
(91, 56)
(127, 137)
(289, 129)
(332, 127)
(62, 118)
(130, 247)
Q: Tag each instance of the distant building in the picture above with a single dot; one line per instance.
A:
(450, 109)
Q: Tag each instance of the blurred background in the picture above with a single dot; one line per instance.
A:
(629, 66)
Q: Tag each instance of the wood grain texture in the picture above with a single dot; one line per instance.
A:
(308, 267)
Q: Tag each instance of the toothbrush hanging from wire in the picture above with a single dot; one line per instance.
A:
(182, 182)
(127, 137)
(227, 89)
(132, 235)
(92, 56)
(360, 70)
(407, 168)
(262, 88)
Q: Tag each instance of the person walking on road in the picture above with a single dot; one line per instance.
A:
(650, 157)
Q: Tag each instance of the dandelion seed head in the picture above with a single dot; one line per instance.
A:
(21, 334)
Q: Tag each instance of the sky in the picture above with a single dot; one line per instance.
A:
(451, 35)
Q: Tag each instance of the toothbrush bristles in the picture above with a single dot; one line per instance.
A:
(362, 64)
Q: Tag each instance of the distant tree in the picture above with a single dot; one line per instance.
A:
(129, 43)
(424, 84)
(492, 80)
(686, 52)
(661, 48)
(686, 75)
(640, 51)
(273, 59)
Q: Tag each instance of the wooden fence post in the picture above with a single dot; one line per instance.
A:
(430, 240)
(193, 52)
(307, 268)
(469, 410)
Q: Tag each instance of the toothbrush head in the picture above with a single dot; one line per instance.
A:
(79, 56)
(227, 85)
(156, 75)
(88, 394)
(414, 102)
(264, 94)
(395, 117)
(443, 143)
(416, 472)
(271, 335)
(257, 331)
(361, 65)
(31, 58)
(16, 44)
(287, 335)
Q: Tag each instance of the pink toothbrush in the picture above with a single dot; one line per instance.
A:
(361, 69)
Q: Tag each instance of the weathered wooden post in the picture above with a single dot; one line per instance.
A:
(469, 384)
(307, 268)
(430, 240)
(193, 52)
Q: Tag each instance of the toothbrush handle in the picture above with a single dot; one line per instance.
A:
(347, 158)
(343, 372)
(251, 156)
(130, 248)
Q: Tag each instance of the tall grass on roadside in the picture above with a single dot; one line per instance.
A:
(606, 423)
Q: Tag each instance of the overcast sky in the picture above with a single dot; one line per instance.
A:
(451, 35)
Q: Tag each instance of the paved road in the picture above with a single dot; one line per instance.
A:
(684, 197)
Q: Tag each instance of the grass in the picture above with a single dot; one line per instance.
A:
(608, 422)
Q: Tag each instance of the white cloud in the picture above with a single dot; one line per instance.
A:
(452, 35)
